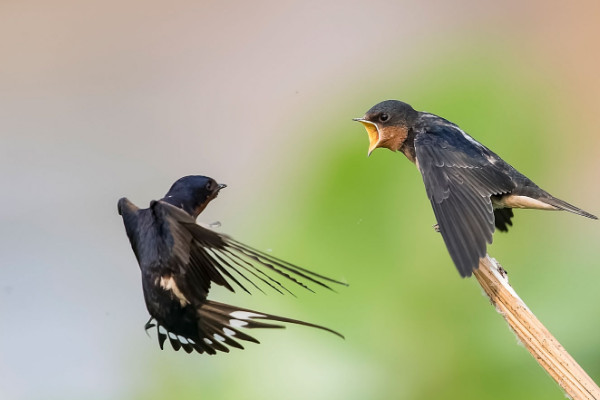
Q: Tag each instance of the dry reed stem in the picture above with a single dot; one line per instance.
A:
(535, 337)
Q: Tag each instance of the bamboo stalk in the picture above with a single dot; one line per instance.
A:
(547, 351)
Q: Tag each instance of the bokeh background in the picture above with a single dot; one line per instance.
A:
(103, 99)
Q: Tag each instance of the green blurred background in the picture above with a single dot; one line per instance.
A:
(100, 100)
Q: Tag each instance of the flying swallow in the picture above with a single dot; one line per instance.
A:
(471, 189)
(179, 260)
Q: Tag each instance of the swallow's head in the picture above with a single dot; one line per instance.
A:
(193, 193)
(387, 124)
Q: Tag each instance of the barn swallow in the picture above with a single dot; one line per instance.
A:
(179, 260)
(471, 189)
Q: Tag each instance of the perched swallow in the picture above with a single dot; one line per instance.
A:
(471, 189)
(180, 259)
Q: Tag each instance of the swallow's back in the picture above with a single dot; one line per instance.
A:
(151, 240)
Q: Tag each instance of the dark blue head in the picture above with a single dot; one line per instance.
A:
(387, 124)
(193, 193)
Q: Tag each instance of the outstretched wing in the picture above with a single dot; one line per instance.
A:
(217, 326)
(460, 176)
(207, 256)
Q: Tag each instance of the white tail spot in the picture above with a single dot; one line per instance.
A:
(182, 339)
(236, 323)
(228, 332)
(246, 315)
(219, 337)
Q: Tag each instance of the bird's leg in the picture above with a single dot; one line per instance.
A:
(216, 224)
(149, 324)
(437, 228)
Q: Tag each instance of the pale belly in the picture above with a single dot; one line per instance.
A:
(516, 201)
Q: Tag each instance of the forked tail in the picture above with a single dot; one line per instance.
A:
(218, 326)
(563, 205)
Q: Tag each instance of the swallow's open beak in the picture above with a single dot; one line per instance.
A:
(222, 186)
(372, 131)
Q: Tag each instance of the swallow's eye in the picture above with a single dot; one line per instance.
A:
(383, 117)
(208, 186)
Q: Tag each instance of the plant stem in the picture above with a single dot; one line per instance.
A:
(535, 337)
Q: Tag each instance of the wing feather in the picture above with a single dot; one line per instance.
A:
(204, 256)
(460, 176)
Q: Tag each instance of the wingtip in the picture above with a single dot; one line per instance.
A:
(125, 205)
(120, 203)
(466, 272)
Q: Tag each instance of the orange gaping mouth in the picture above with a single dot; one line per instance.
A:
(373, 133)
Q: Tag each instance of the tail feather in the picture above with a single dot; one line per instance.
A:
(218, 327)
(563, 205)
(249, 317)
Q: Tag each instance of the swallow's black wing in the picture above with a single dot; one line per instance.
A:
(164, 252)
(460, 176)
(129, 212)
(211, 256)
